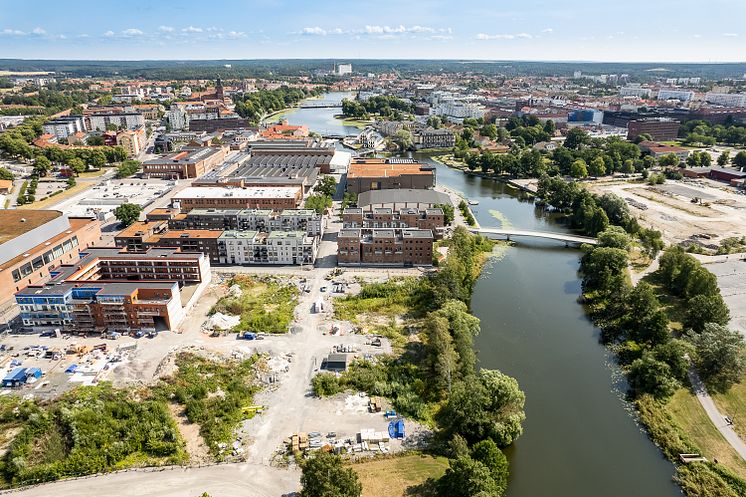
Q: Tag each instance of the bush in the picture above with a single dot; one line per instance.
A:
(325, 384)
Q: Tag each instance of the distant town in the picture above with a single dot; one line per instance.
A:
(279, 275)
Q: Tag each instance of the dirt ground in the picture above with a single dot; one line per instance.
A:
(668, 208)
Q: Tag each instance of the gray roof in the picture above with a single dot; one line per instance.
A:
(402, 195)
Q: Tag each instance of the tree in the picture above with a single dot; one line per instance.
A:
(668, 160)
(491, 456)
(597, 167)
(448, 213)
(601, 264)
(5, 174)
(127, 168)
(403, 139)
(576, 138)
(77, 165)
(649, 375)
(319, 203)
(441, 356)
(724, 158)
(703, 309)
(579, 169)
(326, 186)
(740, 159)
(324, 475)
(42, 165)
(467, 478)
(95, 141)
(127, 213)
(488, 405)
(651, 240)
(720, 356)
(614, 236)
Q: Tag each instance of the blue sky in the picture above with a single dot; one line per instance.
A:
(602, 30)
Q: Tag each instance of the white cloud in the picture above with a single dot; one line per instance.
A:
(132, 32)
(316, 31)
(39, 31)
(731, 35)
(441, 37)
(213, 29)
(109, 34)
(192, 29)
(524, 35)
(697, 36)
(484, 36)
(13, 32)
(421, 29)
(165, 29)
(547, 30)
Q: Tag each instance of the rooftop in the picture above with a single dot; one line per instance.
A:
(390, 196)
(224, 192)
(381, 170)
(17, 222)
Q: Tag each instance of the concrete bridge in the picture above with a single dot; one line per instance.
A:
(320, 105)
(512, 232)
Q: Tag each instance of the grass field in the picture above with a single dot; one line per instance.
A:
(688, 413)
(733, 404)
(265, 306)
(397, 476)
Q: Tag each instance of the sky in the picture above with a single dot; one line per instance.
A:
(574, 30)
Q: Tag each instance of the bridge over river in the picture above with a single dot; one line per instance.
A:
(549, 235)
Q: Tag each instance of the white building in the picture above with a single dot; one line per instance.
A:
(458, 110)
(344, 69)
(635, 91)
(125, 120)
(671, 94)
(726, 99)
(64, 126)
(277, 247)
(177, 118)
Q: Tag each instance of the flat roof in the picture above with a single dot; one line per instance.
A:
(242, 235)
(185, 156)
(378, 170)
(15, 222)
(225, 192)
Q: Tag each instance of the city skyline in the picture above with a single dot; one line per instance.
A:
(270, 29)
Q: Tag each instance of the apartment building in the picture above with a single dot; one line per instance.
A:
(122, 120)
(434, 138)
(109, 290)
(277, 247)
(64, 126)
(386, 217)
(33, 243)
(189, 162)
(726, 99)
(132, 141)
(203, 241)
(385, 247)
(275, 198)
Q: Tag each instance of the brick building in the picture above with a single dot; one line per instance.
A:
(388, 173)
(385, 247)
(189, 162)
(659, 128)
(275, 198)
(386, 217)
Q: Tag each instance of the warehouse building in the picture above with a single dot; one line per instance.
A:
(389, 173)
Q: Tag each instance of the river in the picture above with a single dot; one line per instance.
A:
(321, 121)
(580, 438)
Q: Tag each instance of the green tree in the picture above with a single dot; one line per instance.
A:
(326, 186)
(614, 236)
(127, 213)
(319, 203)
(5, 174)
(601, 265)
(740, 159)
(42, 165)
(488, 453)
(128, 168)
(651, 240)
(649, 375)
(720, 356)
(703, 309)
(467, 478)
(77, 165)
(597, 167)
(579, 169)
(724, 158)
(441, 357)
(95, 141)
(324, 475)
(576, 138)
(448, 213)
(669, 160)
(403, 139)
(488, 405)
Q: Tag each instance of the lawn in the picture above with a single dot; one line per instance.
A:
(398, 476)
(733, 404)
(691, 417)
(391, 299)
(265, 305)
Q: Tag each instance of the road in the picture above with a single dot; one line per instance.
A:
(715, 416)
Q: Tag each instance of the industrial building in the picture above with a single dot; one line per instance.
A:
(189, 162)
(658, 128)
(275, 198)
(385, 247)
(388, 173)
